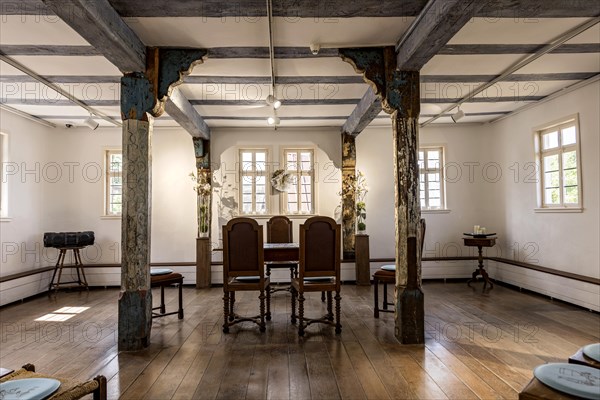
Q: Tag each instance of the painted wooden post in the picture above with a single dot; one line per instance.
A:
(135, 300)
(399, 92)
(203, 243)
(143, 95)
(348, 195)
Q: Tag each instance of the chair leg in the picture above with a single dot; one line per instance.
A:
(301, 314)
(323, 297)
(294, 294)
(385, 302)
(226, 312)
(162, 300)
(180, 311)
(329, 307)
(338, 325)
(268, 316)
(375, 297)
(231, 304)
(262, 311)
(268, 272)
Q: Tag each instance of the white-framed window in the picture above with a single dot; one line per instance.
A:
(4, 175)
(254, 197)
(300, 165)
(558, 155)
(113, 183)
(431, 178)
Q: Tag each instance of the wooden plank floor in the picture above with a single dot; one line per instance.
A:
(477, 346)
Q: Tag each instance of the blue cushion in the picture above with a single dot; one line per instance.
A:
(390, 267)
(160, 271)
(318, 279)
(592, 351)
(576, 380)
(248, 278)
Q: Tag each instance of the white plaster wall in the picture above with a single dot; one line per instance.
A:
(21, 231)
(464, 189)
(564, 241)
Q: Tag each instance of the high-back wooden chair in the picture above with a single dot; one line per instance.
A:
(243, 269)
(279, 230)
(387, 275)
(319, 270)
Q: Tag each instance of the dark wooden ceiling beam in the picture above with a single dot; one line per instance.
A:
(99, 23)
(306, 80)
(439, 21)
(289, 103)
(303, 52)
(182, 111)
(321, 10)
(366, 110)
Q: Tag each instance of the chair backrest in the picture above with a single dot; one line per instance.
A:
(279, 230)
(243, 252)
(320, 239)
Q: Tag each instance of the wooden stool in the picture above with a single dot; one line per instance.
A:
(78, 265)
(167, 280)
(536, 390)
(582, 359)
(384, 277)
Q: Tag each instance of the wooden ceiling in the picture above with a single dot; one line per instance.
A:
(229, 88)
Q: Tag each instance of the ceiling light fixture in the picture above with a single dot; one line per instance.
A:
(271, 99)
(457, 115)
(91, 123)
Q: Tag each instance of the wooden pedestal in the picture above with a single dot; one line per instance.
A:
(203, 259)
(363, 264)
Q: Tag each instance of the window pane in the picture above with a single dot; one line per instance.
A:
(550, 140)
(551, 179)
(421, 159)
(434, 185)
(434, 203)
(247, 188)
(306, 161)
(261, 180)
(568, 136)
(246, 156)
(247, 208)
(551, 163)
(116, 163)
(551, 196)
(292, 207)
(570, 177)
(247, 167)
(571, 195)
(435, 177)
(569, 160)
(434, 194)
(115, 180)
(433, 159)
(260, 189)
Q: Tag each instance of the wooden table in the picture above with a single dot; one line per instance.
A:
(281, 252)
(480, 243)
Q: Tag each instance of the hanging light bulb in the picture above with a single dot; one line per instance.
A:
(273, 120)
(273, 101)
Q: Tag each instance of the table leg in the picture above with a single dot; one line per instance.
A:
(480, 271)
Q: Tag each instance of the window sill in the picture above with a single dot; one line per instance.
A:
(110, 217)
(5, 219)
(558, 210)
(268, 216)
(437, 211)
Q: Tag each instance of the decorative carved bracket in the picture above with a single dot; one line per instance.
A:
(378, 67)
(147, 92)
